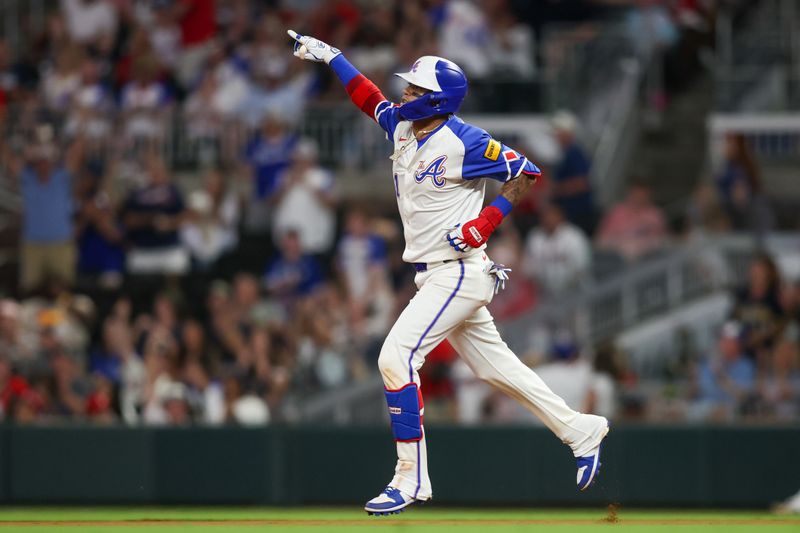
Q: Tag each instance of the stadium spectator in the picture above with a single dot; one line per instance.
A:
(90, 107)
(634, 227)
(779, 383)
(511, 47)
(165, 35)
(69, 387)
(46, 179)
(89, 21)
(152, 216)
(319, 351)
(464, 37)
(12, 388)
(54, 38)
(741, 189)
(163, 390)
(609, 376)
(268, 155)
(232, 85)
(373, 50)
(225, 337)
(99, 400)
(8, 79)
(724, 381)
(651, 28)
(337, 20)
(305, 201)
(281, 92)
(99, 235)
(557, 254)
(61, 81)
(16, 344)
(205, 120)
(197, 19)
(245, 301)
(361, 259)
(758, 309)
(204, 395)
(117, 359)
(571, 188)
(292, 274)
(144, 103)
(212, 222)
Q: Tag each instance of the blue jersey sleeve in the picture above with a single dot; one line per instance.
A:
(387, 115)
(485, 157)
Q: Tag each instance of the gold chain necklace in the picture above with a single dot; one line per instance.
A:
(397, 153)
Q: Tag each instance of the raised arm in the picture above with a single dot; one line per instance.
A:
(364, 94)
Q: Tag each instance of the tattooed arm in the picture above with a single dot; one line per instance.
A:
(476, 232)
(515, 190)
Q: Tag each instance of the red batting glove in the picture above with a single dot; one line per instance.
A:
(477, 231)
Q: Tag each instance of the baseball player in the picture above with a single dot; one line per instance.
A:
(439, 172)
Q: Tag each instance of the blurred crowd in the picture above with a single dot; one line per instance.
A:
(222, 293)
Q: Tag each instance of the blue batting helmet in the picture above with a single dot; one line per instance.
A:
(445, 80)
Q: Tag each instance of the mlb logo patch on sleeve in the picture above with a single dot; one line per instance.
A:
(492, 150)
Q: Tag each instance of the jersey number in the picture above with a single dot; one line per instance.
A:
(435, 170)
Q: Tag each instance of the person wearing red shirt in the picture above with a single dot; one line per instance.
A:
(197, 19)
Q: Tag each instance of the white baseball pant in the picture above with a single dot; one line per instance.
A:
(451, 303)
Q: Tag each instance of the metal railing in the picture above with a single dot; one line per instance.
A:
(758, 63)
(772, 136)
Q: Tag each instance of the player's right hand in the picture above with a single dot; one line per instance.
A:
(455, 238)
(311, 49)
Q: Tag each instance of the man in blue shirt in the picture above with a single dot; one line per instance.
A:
(572, 189)
(48, 248)
(725, 381)
(268, 155)
(291, 274)
(152, 216)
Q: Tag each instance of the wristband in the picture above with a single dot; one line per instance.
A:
(503, 205)
(343, 69)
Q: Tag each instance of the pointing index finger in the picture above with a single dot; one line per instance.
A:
(293, 34)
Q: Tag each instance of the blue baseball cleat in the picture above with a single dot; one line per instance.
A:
(390, 501)
(589, 466)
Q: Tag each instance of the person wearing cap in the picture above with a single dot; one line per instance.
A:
(440, 168)
(305, 201)
(726, 380)
(571, 187)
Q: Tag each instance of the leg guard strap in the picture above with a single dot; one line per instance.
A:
(405, 412)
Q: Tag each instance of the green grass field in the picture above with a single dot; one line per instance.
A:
(418, 520)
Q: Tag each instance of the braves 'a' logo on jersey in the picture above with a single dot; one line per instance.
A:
(435, 170)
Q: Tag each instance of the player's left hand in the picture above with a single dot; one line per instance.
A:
(311, 49)
(476, 232)
(500, 273)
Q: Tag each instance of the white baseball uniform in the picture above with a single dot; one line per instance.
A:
(439, 182)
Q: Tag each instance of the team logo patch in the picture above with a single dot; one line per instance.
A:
(510, 155)
(492, 150)
(435, 170)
